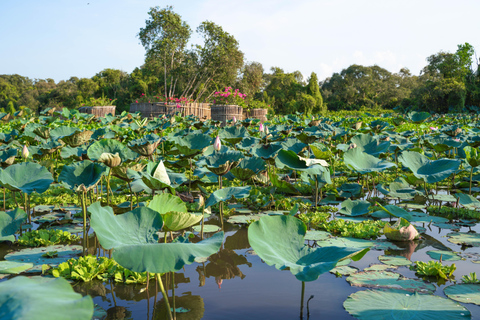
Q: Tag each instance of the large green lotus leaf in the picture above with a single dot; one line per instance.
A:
(396, 211)
(354, 208)
(388, 280)
(370, 144)
(294, 145)
(418, 117)
(233, 134)
(7, 157)
(226, 194)
(76, 153)
(248, 168)
(175, 221)
(11, 221)
(467, 200)
(444, 255)
(35, 255)
(463, 238)
(219, 159)
(426, 169)
(166, 202)
(280, 241)
(465, 293)
(26, 177)
(280, 185)
(357, 243)
(290, 159)
(365, 163)
(14, 267)
(192, 143)
(266, 151)
(138, 226)
(112, 146)
(165, 257)
(85, 172)
(78, 138)
(24, 298)
(348, 190)
(401, 304)
(146, 145)
(63, 131)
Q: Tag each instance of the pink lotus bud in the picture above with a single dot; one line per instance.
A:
(234, 119)
(217, 144)
(261, 128)
(434, 128)
(25, 152)
(266, 130)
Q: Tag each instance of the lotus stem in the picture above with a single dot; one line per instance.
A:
(203, 221)
(221, 202)
(108, 186)
(84, 211)
(302, 298)
(165, 297)
(173, 296)
(131, 195)
(316, 192)
(4, 191)
(471, 176)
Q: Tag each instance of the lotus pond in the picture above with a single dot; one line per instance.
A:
(341, 217)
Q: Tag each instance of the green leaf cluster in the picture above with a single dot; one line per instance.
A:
(433, 269)
(451, 213)
(471, 278)
(367, 229)
(90, 268)
(46, 237)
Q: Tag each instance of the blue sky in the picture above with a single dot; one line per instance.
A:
(63, 38)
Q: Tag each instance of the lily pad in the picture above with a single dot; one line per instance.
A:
(426, 169)
(11, 221)
(344, 270)
(35, 256)
(465, 293)
(463, 238)
(395, 260)
(207, 228)
(354, 208)
(444, 255)
(226, 194)
(388, 280)
(317, 235)
(380, 267)
(13, 267)
(401, 304)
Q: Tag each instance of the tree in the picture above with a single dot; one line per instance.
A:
(313, 89)
(164, 38)
(251, 81)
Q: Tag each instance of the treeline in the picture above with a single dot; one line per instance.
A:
(450, 82)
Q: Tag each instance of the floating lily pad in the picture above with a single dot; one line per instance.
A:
(13, 267)
(395, 260)
(244, 219)
(34, 255)
(358, 243)
(380, 267)
(354, 208)
(466, 293)
(206, 228)
(444, 255)
(388, 280)
(463, 238)
(344, 270)
(449, 226)
(401, 304)
(72, 228)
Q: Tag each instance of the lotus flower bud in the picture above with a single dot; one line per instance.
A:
(266, 130)
(217, 144)
(261, 128)
(25, 152)
(434, 128)
(234, 120)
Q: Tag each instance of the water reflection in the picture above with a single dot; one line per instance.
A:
(189, 307)
(222, 266)
(408, 248)
(118, 313)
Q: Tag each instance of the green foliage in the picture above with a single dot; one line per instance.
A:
(90, 267)
(471, 278)
(433, 269)
(46, 237)
(453, 213)
(101, 101)
(367, 229)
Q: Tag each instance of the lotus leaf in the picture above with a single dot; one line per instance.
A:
(11, 221)
(247, 168)
(35, 255)
(396, 211)
(112, 146)
(418, 117)
(370, 144)
(344, 270)
(380, 267)
(389, 280)
(463, 238)
(77, 138)
(42, 299)
(349, 190)
(145, 146)
(444, 255)
(165, 202)
(19, 177)
(14, 267)
(221, 163)
(226, 194)
(395, 260)
(76, 153)
(279, 241)
(63, 131)
(467, 201)
(401, 304)
(354, 208)
(465, 293)
(266, 151)
(291, 160)
(426, 169)
(233, 134)
(133, 237)
(85, 172)
(365, 163)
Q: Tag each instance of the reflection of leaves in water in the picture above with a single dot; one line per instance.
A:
(429, 241)
(138, 292)
(94, 288)
(223, 265)
(192, 303)
(118, 313)
(238, 241)
(409, 247)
